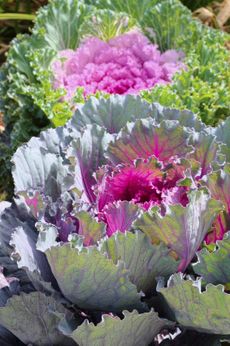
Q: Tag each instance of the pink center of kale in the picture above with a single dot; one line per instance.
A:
(125, 64)
(138, 186)
(144, 184)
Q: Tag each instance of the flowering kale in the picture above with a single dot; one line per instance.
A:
(109, 207)
(125, 64)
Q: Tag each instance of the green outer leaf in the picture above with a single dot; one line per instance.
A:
(89, 228)
(144, 138)
(19, 61)
(134, 330)
(214, 267)
(33, 263)
(111, 113)
(185, 117)
(144, 261)
(53, 141)
(182, 228)
(171, 25)
(34, 319)
(203, 87)
(23, 240)
(206, 311)
(17, 230)
(219, 184)
(59, 22)
(91, 281)
(106, 24)
(222, 132)
(36, 170)
(135, 8)
(205, 151)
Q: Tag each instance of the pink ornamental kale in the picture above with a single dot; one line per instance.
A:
(125, 64)
(146, 183)
(122, 165)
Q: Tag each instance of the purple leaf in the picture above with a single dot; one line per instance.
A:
(120, 216)
(144, 139)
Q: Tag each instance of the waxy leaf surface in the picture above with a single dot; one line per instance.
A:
(144, 261)
(206, 311)
(92, 281)
(182, 229)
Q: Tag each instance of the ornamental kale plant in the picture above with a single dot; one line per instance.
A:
(119, 231)
(30, 101)
(125, 64)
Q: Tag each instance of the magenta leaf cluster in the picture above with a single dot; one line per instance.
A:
(125, 64)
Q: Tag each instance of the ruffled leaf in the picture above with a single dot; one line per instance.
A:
(206, 311)
(206, 151)
(135, 8)
(214, 267)
(144, 261)
(133, 330)
(61, 31)
(185, 117)
(144, 139)
(12, 218)
(34, 318)
(54, 141)
(46, 237)
(36, 170)
(89, 228)
(87, 153)
(23, 240)
(222, 132)
(33, 263)
(18, 253)
(182, 229)
(120, 216)
(92, 281)
(169, 23)
(106, 24)
(134, 183)
(219, 185)
(111, 113)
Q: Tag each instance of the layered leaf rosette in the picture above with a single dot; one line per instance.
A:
(119, 231)
(125, 64)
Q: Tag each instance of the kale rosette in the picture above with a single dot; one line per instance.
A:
(119, 231)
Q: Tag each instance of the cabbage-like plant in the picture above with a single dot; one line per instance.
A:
(125, 64)
(118, 234)
(30, 101)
